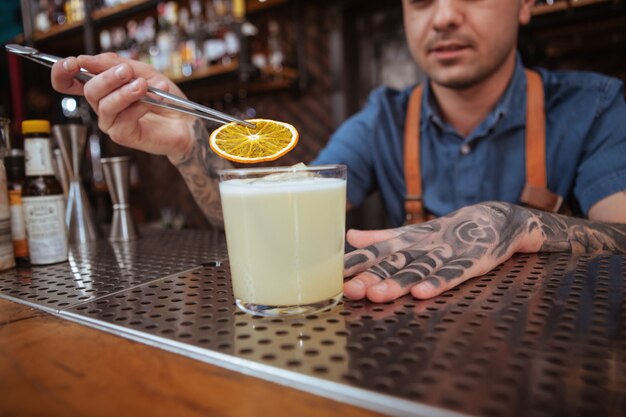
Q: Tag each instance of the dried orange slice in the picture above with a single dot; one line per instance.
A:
(268, 141)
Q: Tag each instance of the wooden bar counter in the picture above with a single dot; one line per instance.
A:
(54, 367)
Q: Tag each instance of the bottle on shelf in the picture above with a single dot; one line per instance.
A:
(74, 10)
(106, 43)
(145, 37)
(118, 41)
(222, 10)
(44, 205)
(41, 21)
(58, 11)
(7, 258)
(187, 46)
(231, 45)
(276, 56)
(169, 60)
(131, 41)
(197, 32)
(14, 164)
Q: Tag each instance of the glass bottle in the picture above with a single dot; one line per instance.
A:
(7, 259)
(276, 56)
(44, 206)
(14, 164)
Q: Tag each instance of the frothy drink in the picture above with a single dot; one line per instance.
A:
(285, 239)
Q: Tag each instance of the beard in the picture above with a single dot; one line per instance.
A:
(461, 80)
(464, 75)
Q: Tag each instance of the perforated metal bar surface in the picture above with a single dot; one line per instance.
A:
(542, 335)
(102, 268)
(538, 336)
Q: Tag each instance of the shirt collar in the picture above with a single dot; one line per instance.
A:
(509, 111)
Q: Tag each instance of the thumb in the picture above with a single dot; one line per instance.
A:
(363, 238)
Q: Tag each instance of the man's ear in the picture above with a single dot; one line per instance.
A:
(525, 11)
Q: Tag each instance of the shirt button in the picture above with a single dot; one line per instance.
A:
(465, 149)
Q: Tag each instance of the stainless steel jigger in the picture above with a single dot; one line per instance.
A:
(116, 175)
(79, 218)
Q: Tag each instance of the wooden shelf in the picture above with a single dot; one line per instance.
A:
(253, 6)
(583, 3)
(208, 72)
(561, 5)
(272, 84)
(550, 8)
(98, 15)
(107, 12)
(56, 30)
(267, 81)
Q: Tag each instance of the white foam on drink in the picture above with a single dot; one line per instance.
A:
(291, 185)
(285, 238)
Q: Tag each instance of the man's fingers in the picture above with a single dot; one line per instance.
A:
(161, 85)
(362, 259)
(387, 290)
(97, 64)
(62, 77)
(423, 274)
(400, 272)
(378, 282)
(110, 82)
(363, 238)
(370, 285)
(356, 288)
(111, 105)
(126, 128)
(448, 276)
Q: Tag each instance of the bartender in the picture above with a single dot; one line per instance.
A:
(492, 148)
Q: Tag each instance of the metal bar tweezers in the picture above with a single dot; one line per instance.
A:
(182, 105)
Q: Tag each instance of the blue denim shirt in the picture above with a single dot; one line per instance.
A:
(585, 135)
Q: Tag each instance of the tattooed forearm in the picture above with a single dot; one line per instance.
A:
(199, 170)
(429, 258)
(570, 234)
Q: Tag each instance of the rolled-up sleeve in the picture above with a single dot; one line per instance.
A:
(602, 168)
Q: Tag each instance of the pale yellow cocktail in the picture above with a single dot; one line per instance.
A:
(285, 237)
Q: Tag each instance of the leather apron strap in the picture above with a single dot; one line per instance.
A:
(535, 192)
(413, 205)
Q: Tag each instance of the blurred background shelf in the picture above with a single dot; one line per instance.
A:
(253, 6)
(121, 9)
(207, 72)
(556, 6)
(57, 31)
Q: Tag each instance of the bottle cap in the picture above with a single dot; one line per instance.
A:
(35, 126)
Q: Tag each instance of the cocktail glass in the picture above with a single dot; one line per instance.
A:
(285, 236)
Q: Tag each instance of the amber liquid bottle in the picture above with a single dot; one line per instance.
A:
(42, 197)
(14, 164)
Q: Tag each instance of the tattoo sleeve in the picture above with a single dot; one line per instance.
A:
(570, 234)
(199, 170)
(474, 239)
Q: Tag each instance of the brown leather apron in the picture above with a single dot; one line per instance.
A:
(535, 193)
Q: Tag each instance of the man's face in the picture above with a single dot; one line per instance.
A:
(460, 43)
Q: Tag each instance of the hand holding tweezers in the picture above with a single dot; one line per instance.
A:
(182, 105)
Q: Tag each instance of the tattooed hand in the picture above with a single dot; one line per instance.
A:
(114, 94)
(430, 258)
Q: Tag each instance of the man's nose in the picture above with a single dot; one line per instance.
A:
(448, 14)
